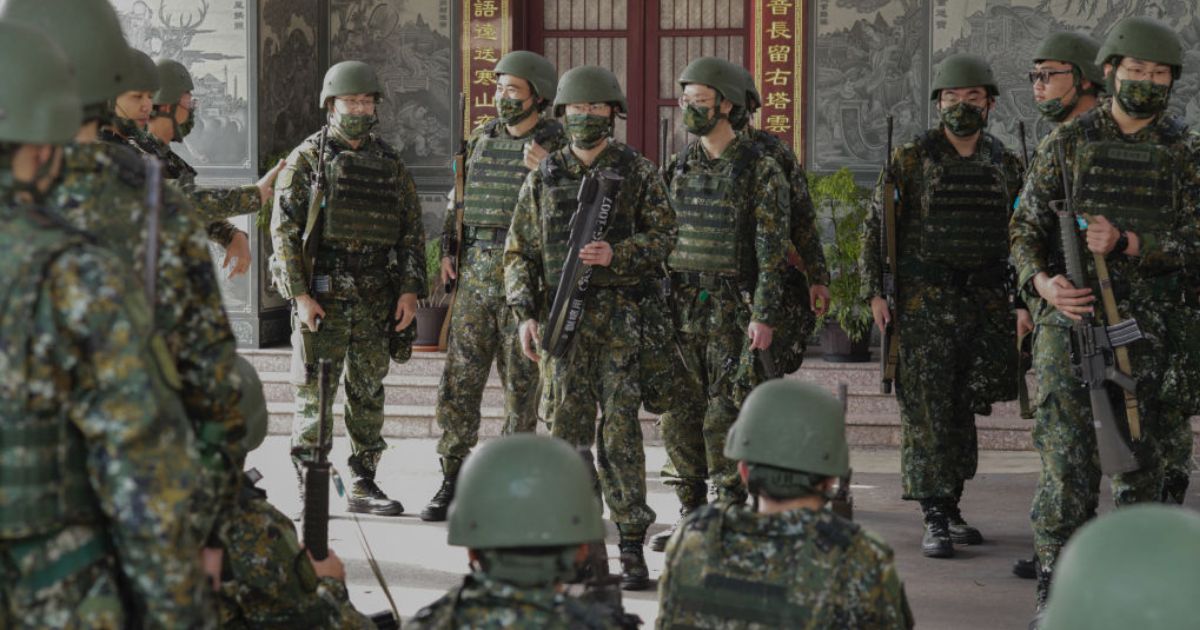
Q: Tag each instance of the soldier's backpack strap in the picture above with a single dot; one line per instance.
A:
(552, 168)
(130, 168)
(1089, 124)
(681, 161)
(491, 127)
(549, 130)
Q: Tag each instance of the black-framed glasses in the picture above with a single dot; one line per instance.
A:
(1045, 75)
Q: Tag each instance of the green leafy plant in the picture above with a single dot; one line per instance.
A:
(433, 275)
(842, 207)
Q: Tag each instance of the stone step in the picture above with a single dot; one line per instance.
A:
(398, 390)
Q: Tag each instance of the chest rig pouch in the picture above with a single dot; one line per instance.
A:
(964, 222)
(707, 217)
(363, 201)
(494, 177)
(1131, 184)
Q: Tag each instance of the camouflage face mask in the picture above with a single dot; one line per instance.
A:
(963, 119)
(696, 120)
(1143, 99)
(512, 110)
(587, 130)
(354, 126)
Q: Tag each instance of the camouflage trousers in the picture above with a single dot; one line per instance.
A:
(1177, 457)
(353, 335)
(37, 591)
(957, 356)
(269, 581)
(1068, 491)
(600, 370)
(482, 328)
(1181, 394)
(721, 371)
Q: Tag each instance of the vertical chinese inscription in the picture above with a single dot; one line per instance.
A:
(486, 37)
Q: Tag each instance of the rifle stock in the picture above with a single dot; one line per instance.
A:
(315, 525)
(889, 347)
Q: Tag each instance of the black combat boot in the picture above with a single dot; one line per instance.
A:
(961, 533)
(1026, 569)
(635, 576)
(936, 542)
(435, 512)
(365, 497)
(1043, 594)
(691, 496)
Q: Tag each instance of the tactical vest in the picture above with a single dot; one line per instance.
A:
(562, 193)
(965, 208)
(43, 463)
(1132, 185)
(363, 202)
(706, 213)
(494, 177)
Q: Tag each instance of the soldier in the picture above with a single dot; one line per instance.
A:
(1133, 172)
(535, 495)
(500, 154)
(601, 367)
(790, 562)
(956, 184)
(1066, 84)
(1133, 568)
(171, 120)
(132, 107)
(97, 459)
(267, 583)
(104, 191)
(727, 276)
(351, 263)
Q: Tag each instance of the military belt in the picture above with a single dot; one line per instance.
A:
(484, 237)
(353, 262)
(701, 280)
(61, 567)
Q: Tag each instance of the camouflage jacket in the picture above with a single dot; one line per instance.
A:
(103, 192)
(1138, 282)
(642, 201)
(825, 571)
(269, 581)
(766, 204)
(908, 170)
(293, 188)
(215, 205)
(483, 603)
(76, 348)
(805, 238)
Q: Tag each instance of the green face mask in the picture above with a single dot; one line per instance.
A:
(587, 130)
(962, 119)
(1143, 99)
(1054, 109)
(512, 110)
(354, 126)
(696, 120)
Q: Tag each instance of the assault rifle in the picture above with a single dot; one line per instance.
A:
(315, 518)
(310, 242)
(460, 190)
(597, 200)
(889, 347)
(1094, 345)
(1024, 146)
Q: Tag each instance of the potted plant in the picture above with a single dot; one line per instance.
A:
(842, 207)
(432, 311)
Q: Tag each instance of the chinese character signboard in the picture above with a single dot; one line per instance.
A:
(486, 37)
(779, 51)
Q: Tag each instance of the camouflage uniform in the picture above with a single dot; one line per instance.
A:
(601, 368)
(358, 280)
(953, 315)
(268, 580)
(95, 517)
(102, 191)
(482, 327)
(797, 569)
(713, 309)
(1146, 288)
(481, 602)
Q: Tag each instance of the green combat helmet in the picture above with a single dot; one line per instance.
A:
(349, 77)
(1143, 38)
(142, 74)
(90, 34)
(252, 405)
(40, 100)
(719, 74)
(961, 70)
(1137, 567)
(532, 67)
(753, 98)
(794, 434)
(1076, 49)
(174, 81)
(588, 84)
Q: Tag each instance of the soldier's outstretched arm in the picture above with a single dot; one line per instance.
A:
(523, 252)
(648, 248)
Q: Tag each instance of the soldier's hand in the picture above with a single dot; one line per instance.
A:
(530, 335)
(1101, 235)
(211, 559)
(534, 154)
(1063, 295)
(760, 335)
(309, 310)
(448, 272)
(597, 253)
(881, 313)
(331, 566)
(818, 297)
(237, 253)
(1024, 322)
(406, 310)
(266, 185)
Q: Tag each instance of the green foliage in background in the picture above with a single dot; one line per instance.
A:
(841, 207)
